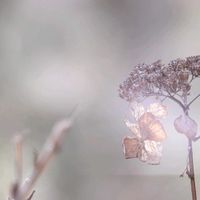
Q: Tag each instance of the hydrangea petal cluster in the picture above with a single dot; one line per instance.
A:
(160, 79)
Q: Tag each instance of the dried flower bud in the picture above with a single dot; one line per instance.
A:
(185, 125)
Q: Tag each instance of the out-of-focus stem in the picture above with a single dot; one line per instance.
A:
(49, 149)
(23, 191)
(18, 140)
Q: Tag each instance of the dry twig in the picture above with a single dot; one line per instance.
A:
(23, 190)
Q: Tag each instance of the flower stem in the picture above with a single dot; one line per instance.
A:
(191, 174)
(190, 171)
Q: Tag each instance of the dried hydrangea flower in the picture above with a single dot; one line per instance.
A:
(158, 79)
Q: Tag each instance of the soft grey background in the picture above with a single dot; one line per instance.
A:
(55, 54)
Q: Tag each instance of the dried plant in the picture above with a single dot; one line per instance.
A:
(172, 81)
(23, 190)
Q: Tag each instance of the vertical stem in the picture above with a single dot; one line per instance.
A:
(191, 172)
(18, 140)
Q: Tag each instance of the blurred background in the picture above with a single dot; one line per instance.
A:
(56, 54)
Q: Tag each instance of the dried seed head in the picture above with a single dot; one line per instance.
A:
(157, 78)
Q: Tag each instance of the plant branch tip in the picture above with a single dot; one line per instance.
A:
(73, 113)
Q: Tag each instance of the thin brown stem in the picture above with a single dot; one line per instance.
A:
(31, 196)
(170, 97)
(193, 100)
(177, 101)
(191, 174)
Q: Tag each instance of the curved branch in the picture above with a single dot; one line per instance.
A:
(21, 190)
(193, 100)
(178, 102)
(172, 98)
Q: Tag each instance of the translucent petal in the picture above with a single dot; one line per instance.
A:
(137, 110)
(153, 130)
(151, 152)
(134, 128)
(157, 109)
